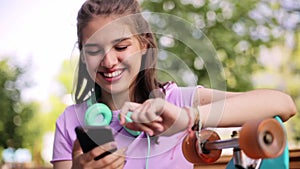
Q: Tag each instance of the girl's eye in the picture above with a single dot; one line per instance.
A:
(120, 48)
(93, 50)
(93, 53)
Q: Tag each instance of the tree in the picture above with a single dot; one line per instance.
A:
(19, 127)
(238, 31)
(59, 101)
(293, 83)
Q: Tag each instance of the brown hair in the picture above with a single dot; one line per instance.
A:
(146, 80)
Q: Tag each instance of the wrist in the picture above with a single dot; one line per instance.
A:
(191, 118)
(194, 116)
(197, 120)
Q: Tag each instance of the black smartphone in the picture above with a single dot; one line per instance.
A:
(90, 137)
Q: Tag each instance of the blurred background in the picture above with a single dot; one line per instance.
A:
(257, 42)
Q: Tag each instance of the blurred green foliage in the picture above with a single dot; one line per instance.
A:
(239, 30)
(20, 124)
(236, 29)
(59, 101)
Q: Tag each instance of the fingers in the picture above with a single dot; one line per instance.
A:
(91, 155)
(115, 159)
(141, 113)
(127, 107)
(151, 129)
(146, 113)
(103, 149)
(76, 149)
(143, 117)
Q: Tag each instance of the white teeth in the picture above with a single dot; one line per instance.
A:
(113, 74)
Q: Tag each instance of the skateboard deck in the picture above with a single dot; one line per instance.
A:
(259, 144)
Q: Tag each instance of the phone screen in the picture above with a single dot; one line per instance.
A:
(90, 137)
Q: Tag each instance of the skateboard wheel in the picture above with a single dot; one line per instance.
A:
(262, 139)
(191, 148)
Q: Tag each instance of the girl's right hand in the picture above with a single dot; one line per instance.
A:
(82, 160)
(155, 117)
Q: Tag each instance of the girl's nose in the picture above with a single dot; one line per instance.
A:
(110, 59)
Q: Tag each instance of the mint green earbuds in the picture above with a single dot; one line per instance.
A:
(129, 120)
(99, 114)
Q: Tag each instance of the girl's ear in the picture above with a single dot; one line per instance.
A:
(82, 58)
(144, 48)
(144, 44)
(144, 51)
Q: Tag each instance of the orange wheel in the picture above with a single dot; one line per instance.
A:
(262, 139)
(211, 155)
(190, 148)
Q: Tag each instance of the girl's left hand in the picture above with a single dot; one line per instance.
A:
(155, 117)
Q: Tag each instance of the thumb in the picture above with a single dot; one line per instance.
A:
(76, 149)
(133, 126)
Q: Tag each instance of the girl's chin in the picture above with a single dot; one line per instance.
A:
(113, 87)
(113, 92)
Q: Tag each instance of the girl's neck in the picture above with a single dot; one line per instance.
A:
(114, 101)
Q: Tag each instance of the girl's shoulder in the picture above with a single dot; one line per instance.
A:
(72, 113)
(179, 95)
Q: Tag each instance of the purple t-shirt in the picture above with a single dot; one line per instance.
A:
(166, 153)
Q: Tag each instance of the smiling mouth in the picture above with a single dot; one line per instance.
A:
(112, 74)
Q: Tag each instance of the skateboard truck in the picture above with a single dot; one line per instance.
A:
(257, 139)
(240, 160)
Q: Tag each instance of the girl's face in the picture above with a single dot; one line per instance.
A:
(112, 54)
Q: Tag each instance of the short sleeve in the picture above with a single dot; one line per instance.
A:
(65, 131)
(62, 147)
(180, 96)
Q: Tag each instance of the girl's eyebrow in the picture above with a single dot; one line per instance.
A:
(116, 41)
(120, 40)
(91, 45)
